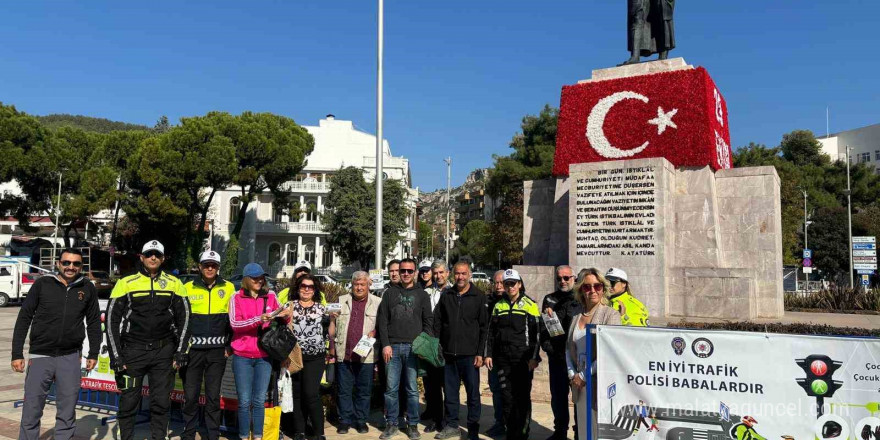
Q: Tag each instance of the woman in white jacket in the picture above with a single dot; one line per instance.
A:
(591, 291)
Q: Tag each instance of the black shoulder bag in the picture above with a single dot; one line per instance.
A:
(277, 341)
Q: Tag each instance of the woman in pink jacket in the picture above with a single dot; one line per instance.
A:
(249, 312)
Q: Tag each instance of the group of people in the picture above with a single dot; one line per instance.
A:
(428, 321)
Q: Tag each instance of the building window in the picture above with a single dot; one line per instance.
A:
(312, 212)
(294, 212)
(864, 157)
(327, 258)
(234, 207)
(274, 254)
(292, 257)
(310, 254)
(277, 214)
(877, 155)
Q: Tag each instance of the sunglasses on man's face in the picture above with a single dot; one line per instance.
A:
(407, 271)
(564, 278)
(150, 254)
(66, 263)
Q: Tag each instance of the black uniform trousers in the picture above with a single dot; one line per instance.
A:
(154, 363)
(515, 380)
(209, 365)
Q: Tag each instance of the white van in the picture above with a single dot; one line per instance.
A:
(15, 281)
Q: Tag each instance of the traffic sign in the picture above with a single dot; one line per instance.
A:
(864, 246)
(612, 390)
(866, 272)
(864, 239)
(808, 253)
(808, 270)
(866, 280)
(724, 411)
(864, 253)
(872, 266)
(808, 262)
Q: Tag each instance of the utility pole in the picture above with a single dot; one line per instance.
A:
(852, 283)
(379, 153)
(448, 161)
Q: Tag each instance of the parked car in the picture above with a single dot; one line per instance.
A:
(327, 279)
(480, 276)
(102, 281)
(236, 281)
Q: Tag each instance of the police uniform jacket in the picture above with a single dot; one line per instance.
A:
(210, 313)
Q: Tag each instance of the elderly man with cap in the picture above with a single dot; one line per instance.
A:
(148, 332)
(302, 267)
(632, 311)
(512, 349)
(562, 305)
(208, 296)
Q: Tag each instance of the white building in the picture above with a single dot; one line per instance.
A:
(274, 239)
(864, 145)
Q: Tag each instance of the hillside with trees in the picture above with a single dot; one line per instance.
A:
(86, 123)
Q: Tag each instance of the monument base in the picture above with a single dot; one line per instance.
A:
(695, 243)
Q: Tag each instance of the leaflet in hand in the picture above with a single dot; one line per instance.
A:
(554, 327)
(364, 346)
(332, 308)
(278, 310)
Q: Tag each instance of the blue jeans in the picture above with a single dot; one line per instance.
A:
(251, 383)
(402, 358)
(355, 386)
(497, 398)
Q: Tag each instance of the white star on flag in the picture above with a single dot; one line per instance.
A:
(664, 120)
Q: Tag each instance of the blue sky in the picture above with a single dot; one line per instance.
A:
(459, 75)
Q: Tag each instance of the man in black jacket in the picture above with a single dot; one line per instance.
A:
(498, 428)
(405, 312)
(459, 316)
(54, 311)
(562, 305)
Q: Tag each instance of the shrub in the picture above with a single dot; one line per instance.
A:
(838, 299)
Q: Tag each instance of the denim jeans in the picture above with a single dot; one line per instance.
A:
(402, 368)
(251, 383)
(355, 386)
(497, 398)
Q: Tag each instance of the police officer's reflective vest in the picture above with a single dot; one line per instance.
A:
(210, 319)
(513, 328)
(632, 311)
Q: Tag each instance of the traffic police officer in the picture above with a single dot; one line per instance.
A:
(632, 311)
(148, 331)
(512, 349)
(209, 297)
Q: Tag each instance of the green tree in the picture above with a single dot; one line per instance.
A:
(19, 134)
(475, 241)
(350, 216)
(86, 123)
(829, 240)
(269, 151)
(532, 156)
(507, 229)
(424, 237)
(801, 147)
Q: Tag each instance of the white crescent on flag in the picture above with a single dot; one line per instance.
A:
(596, 122)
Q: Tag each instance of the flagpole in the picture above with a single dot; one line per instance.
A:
(379, 153)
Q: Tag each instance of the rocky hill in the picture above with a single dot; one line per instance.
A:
(432, 205)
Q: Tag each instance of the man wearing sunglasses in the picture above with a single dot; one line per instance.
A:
(404, 313)
(148, 331)
(563, 305)
(208, 296)
(54, 311)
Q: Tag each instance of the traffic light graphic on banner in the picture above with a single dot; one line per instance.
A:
(819, 382)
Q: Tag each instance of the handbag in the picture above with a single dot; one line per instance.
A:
(272, 423)
(295, 360)
(277, 341)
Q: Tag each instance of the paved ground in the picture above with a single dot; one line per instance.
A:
(89, 421)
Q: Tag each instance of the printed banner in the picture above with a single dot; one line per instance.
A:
(717, 385)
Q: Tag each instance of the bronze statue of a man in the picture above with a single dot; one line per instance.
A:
(651, 28)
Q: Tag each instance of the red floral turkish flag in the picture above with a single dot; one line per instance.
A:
(678, 115)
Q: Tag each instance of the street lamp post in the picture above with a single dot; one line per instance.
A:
(852, 283)
(57, 218)
(806, 245)
(448, 161)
